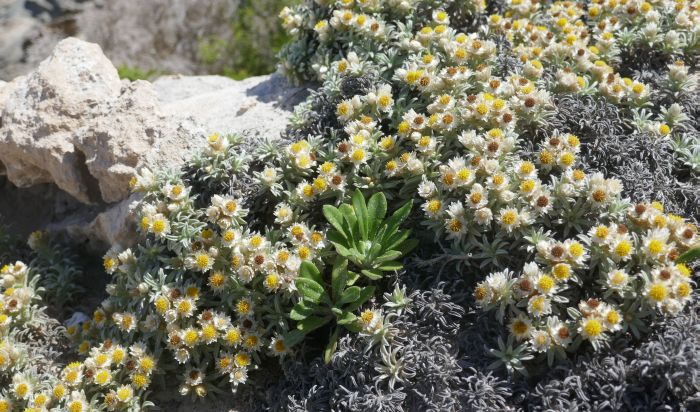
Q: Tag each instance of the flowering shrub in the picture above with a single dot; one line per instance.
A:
(243, 258)
(423, 108)
(111, 375)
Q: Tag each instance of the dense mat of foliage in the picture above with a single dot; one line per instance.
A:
(543, 166)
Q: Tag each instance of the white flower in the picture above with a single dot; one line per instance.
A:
(617, 279)
(539, 305)
(427, 189)
(477, 197)
(238, 376)
(509, 219)
(540, 341)
(559, 332)
(521, 327)
(483, 216)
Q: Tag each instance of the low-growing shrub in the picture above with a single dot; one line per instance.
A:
(534, 247)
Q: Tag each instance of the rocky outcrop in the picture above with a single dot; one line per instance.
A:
(29, 29)
(73, 124)
(257, 107)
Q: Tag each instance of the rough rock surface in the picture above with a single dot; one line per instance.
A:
(29, 30)
(256, 107)
(73, 126)
(74, 123)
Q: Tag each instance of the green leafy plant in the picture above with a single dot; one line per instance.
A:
(690, 255)
(365, 238)
(367, 244)
(322, 304)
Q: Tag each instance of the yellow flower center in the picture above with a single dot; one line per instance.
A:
(617, 279)
(561, 271)
(304, 252)
(243, 306)
(567, 159)
(655, 246)
(242, 360)
(102, 377)
(613, 317)
(271, 281)
(75, 406)
(684, 290)
(658, 292)
(208, 332)
(455, 225)
(434, 206)
(509, 217)
(576, 250)
(202, 261)
(520, 327)
(602, 232)
(367, 316)
(217, 280)
(593, 328)
(233, 336)
(545, 284)
(256, 241)
(527, 186)
(191, 337)
(623, 248)
(139, 380)
(527, 168)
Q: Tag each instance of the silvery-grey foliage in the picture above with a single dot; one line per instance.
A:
(661, 373)
(317, 115)
(432, 378)
(649, 168)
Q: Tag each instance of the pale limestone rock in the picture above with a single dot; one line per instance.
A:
(74, 123)
(257, 107)
(74, 127)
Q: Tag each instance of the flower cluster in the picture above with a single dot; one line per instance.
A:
(421, 100)
(205, 286)
(112, 377)
(566, 47)
(446, 115)
(615, 278)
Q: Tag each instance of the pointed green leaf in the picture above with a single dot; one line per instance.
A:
(391, 265)
(353, 327)
(408, 246)
(300, 311)
(293, 337)
(346, 317)
(335, 218)
(349, 221)
(345, 252)
(312, 323)
(689, 256)
(358, 203)
(336, 237)
(366, 293)
(308, 270)
(399, 216)
(390, 255)
(372, 274)
(332, 345)
(374, 251)
(350, 295)
(339, 277)
(352, 278)
(396, 239)
(376, 208)
(310, 290)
